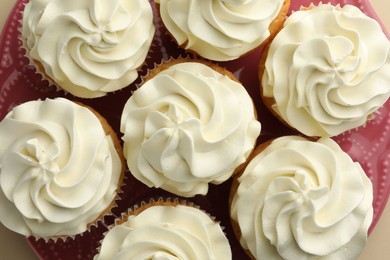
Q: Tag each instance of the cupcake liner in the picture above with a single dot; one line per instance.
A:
(165, 36)
(164, 201)
(159, 201)
(186, 57)
(371, 118)
(38, 69)
(312, 5)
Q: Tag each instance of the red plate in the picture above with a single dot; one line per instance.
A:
(370, 145)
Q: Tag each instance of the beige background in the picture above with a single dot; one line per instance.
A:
(13, 246)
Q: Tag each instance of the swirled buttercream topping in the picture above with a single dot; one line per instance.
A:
(58, 169)
(166, 232)
(219, 29)
(188, 126)
(89, 47)
(308, 200)
(328, 70)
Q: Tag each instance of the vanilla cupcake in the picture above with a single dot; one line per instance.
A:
(327, 71)
(190, 124)
(61, 166)
(301, 199)
(90, 47)
(165, 229)
(222, 30)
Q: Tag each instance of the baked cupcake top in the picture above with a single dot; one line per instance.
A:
(59, 170)
(315, 203)
(166, 232)
(219, 30)
(327, 70)
(188, 126)
(88, 47)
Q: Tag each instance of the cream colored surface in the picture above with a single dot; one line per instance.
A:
(281, 224)
(195, 132)
(98, 59)
(13, 246)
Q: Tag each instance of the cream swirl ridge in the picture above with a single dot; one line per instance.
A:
(186, 127)
(166, 232)
(327, 70)
(309, 205)
(59, 171)
(219, 29)
(89, 48)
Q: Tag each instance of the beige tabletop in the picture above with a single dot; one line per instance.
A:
(13, 246)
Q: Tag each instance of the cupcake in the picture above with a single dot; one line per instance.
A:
(88, 48)
(222, 30)
(327, 71)
(61, 166)
(165, 230)
(190, 124)
(315, 203)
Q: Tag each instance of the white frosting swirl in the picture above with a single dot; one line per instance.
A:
(186, 127)
(58, 169)
(219, 29)
(166, 232)
(328, 69)
(89, 48)
(308, 200)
